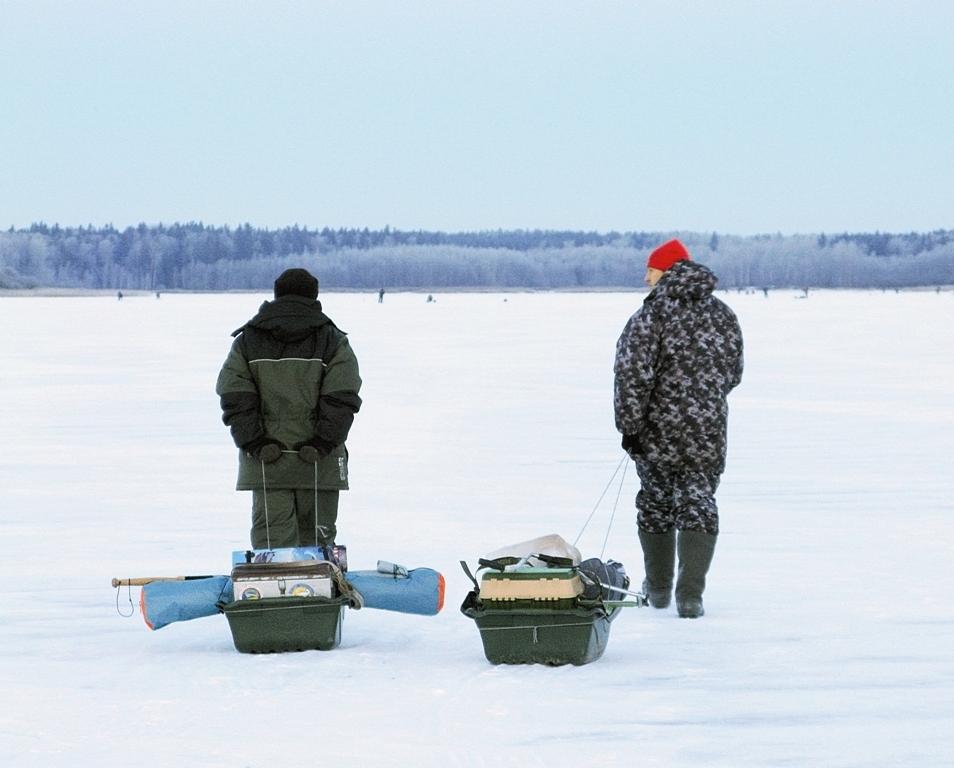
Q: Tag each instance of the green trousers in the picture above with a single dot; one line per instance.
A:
(287, 518)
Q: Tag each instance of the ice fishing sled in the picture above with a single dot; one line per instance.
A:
(531, 607)
(288, 599)
(295, 605)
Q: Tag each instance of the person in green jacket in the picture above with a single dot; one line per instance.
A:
(289, 394)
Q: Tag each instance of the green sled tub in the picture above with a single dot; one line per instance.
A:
(277, 624)
(545, 635)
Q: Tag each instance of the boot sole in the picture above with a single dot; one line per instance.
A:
(690, 610)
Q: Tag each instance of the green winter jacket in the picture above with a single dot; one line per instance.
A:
(290, 377)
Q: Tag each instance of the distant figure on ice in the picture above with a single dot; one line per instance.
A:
(381, 296)
(289, 393)
(676, 360)
(430, 299)
(119, 295)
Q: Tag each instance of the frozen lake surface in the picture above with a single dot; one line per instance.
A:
(829, 633)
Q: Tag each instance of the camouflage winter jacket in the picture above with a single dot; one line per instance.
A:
(676, 361)
(292, 377)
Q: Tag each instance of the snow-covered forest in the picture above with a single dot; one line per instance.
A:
(194, 256)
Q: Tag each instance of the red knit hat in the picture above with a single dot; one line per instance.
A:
(668, 254)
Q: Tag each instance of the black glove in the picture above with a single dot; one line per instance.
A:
(265, 450)
(631, 445)
(314, 450)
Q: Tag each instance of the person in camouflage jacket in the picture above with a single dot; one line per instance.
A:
(289, 394)
(677, 359)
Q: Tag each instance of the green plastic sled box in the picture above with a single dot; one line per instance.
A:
(552, 636)
(273, 625)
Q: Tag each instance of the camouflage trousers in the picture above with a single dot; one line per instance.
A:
(286, 518)
(683, 499)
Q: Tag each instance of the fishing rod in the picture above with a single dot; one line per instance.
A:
(141, 581)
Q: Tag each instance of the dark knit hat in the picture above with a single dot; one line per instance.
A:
(299, 282)
(668, 254)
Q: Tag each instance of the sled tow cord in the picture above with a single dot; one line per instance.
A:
(268, 535)
(615, 505)
(600, 499)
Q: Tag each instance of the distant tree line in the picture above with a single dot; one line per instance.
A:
(194, 256)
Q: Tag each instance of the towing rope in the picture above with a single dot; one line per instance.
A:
(268, 535)
(619, 492)
(600, 500)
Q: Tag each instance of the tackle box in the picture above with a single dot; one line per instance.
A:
(312, 578)
(277, 624)
(531, 587)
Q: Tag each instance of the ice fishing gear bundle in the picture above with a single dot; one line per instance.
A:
(292, 598)
(539, 602)
(545, 609)
(287, 604)
(288, 599)
(283, 604)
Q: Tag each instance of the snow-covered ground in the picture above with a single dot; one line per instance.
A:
(829, 634)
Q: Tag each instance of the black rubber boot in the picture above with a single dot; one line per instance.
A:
(695, 555)
(659, 557)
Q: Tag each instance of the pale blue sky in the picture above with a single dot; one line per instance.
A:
(737, 117)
